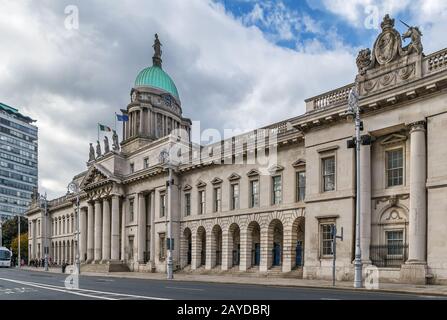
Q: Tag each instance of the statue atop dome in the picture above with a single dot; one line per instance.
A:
(156, 59)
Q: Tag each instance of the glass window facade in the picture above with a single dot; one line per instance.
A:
(18, 161)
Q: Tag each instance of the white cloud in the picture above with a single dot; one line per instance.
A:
(228, 75)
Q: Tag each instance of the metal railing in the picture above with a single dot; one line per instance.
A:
(389, 255)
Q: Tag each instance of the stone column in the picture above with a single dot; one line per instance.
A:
(195, 254)
(418, 195)
(106, 230)
(245, 258)
(90, 232)
(152, 242)
(141, 227)
(83, 234)
(210, 251)
(140, 129)
(123, 229)
(264, 264)
(98, 231)
(115, 241)
(227, 251)
(365, 202)
(287, 248)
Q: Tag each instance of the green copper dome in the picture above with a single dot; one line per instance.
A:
(155, 77)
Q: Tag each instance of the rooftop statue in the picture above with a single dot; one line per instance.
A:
(91, 155)
(106, 145)
(156, 59)
(98, 149)
(115, 142)
(415, 35)
(363, 60)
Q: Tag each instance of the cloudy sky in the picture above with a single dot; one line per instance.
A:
(237, 63)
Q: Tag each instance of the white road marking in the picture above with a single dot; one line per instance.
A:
(180, 288)
(80, 292)
(329, 299)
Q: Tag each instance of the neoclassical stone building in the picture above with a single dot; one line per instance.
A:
(264, 202)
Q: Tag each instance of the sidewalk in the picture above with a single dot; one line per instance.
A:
(433, 290)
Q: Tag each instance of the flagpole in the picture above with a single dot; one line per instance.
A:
(115, 121)
(98, 131)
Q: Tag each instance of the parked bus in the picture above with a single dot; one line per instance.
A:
(5, 257)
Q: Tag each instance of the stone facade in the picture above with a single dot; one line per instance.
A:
(235, 215)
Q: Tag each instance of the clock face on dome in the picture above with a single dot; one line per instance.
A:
(134, 96)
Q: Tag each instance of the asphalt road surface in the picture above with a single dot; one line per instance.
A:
(18, 284)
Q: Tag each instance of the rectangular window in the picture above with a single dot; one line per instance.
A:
(326, 239)
(328, 174)
(217, 199)
(395, 167)
(254, 193)
(146, 163)
(201, 201)
(300, 186)
(395, 242)
(234, 196)
(162, 242)
(187, 204)
(132, 168)
(277, 190)
(131, 210)
(162, 205)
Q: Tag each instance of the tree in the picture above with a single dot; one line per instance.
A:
(9, 229)
(23, 246)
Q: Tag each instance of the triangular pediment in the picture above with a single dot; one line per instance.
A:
(299, 163)
(216, 181)
(276, 168)
(201, 184)
(393, 139)
(187, 187)
(253, 173)
(234, 176)
(96, 174)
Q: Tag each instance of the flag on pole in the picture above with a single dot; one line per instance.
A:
(102, 127)
(122, 117)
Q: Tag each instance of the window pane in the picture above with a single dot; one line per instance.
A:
(394, 167)
(301, 185)
(277, 190)
(326, 239)
(254, 187)
(329, 174)
(395, 242)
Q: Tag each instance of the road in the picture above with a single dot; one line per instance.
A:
(18, 284)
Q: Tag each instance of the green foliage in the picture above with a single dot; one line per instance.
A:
(23, 246)
(10, 230)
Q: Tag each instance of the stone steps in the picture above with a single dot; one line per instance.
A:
(104, 268)
(275, 272)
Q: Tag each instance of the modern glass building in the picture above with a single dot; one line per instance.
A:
(18, 161)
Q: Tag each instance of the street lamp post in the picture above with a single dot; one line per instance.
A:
(354, 111)
(74, 188)
(165, 158)
(45, 206)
